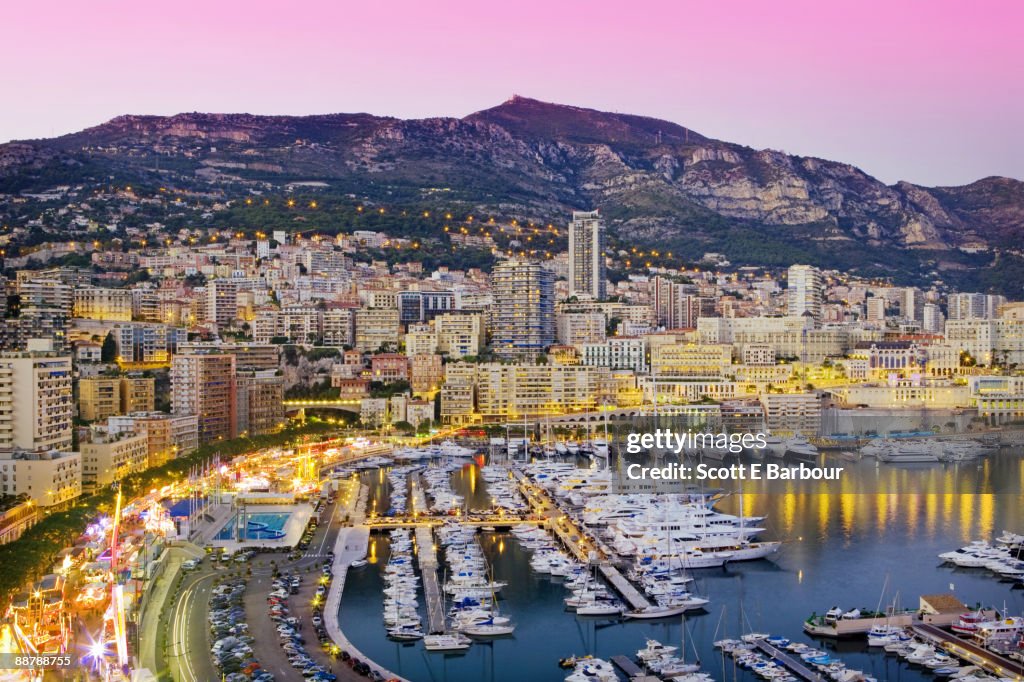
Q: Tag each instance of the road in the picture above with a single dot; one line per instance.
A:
(188, 641)
(267, 645)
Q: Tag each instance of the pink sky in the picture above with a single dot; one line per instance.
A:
(928, 91)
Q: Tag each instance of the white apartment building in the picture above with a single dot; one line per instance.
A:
(36, 402)
(460, 334)
(792, 412)
(48, 478)
(804, 291)
(421, 339)
(616, 352)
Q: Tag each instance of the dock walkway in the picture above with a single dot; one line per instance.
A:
(624, 587)
(971, 652)
(426, 554)
(795, 665)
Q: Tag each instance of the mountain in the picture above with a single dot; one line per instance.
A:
(657, 183)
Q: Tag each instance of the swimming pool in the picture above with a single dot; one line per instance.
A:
(259, 526)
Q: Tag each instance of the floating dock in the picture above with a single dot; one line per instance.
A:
(795, 665)
(625, 588)
(426, 554)
(971, 652)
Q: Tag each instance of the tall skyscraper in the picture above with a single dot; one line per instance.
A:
(587, 276)
(523, 322)
(805, 291)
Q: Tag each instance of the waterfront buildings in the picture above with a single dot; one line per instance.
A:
(168, 436)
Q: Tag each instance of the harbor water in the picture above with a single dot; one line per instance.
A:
(843, 543)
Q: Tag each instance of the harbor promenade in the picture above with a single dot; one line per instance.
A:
(971, 652)
(351, 545)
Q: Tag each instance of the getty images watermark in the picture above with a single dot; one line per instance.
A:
(701, 443)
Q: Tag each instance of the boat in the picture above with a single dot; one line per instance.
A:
(967, 624)
(405, 634)
(487, 629)
(447, 642)
(358, 563)
(800, 447)
(593, 670)
(908, 453)
(655, 650)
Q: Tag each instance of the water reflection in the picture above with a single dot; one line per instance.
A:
(842, 542)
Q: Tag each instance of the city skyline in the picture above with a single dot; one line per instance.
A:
(904, 93)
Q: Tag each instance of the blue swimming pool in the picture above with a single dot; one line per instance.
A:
(259, 526)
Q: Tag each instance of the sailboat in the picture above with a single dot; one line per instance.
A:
(494, 626)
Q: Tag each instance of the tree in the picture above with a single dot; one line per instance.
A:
(108, 353)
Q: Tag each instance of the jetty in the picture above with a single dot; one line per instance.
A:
(851, 627)
(634, 672)
(795, 666)
(426, 555)
(970, 651)
(625, 588)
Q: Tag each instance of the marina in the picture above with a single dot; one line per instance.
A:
(806, 568)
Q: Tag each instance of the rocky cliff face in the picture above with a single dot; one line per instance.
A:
(652, 178)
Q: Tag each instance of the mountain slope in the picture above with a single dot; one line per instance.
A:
(657, 182)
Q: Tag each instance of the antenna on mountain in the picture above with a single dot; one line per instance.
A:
(657, 138)
(686, 134)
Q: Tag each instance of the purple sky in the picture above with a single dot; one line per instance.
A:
(927, 91)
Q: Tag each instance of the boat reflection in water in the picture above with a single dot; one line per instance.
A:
(840, 541)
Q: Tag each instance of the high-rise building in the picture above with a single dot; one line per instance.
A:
(524, 308)
(36, 404)
(912, 304)
(932, 319)
(260, 402)
(204, 385)
(875, 307)
(587, 276)
(677, 306)
(805, 291)
(974, 306)
(222, 302)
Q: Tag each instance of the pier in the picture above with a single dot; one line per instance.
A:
(794, 665)
(850, 627)
(624, 587)
(971, 652)
(426, 554)
(634, 672)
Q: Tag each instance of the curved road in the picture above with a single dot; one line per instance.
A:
(188, 641)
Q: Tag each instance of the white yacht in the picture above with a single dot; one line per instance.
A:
(447, 642)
